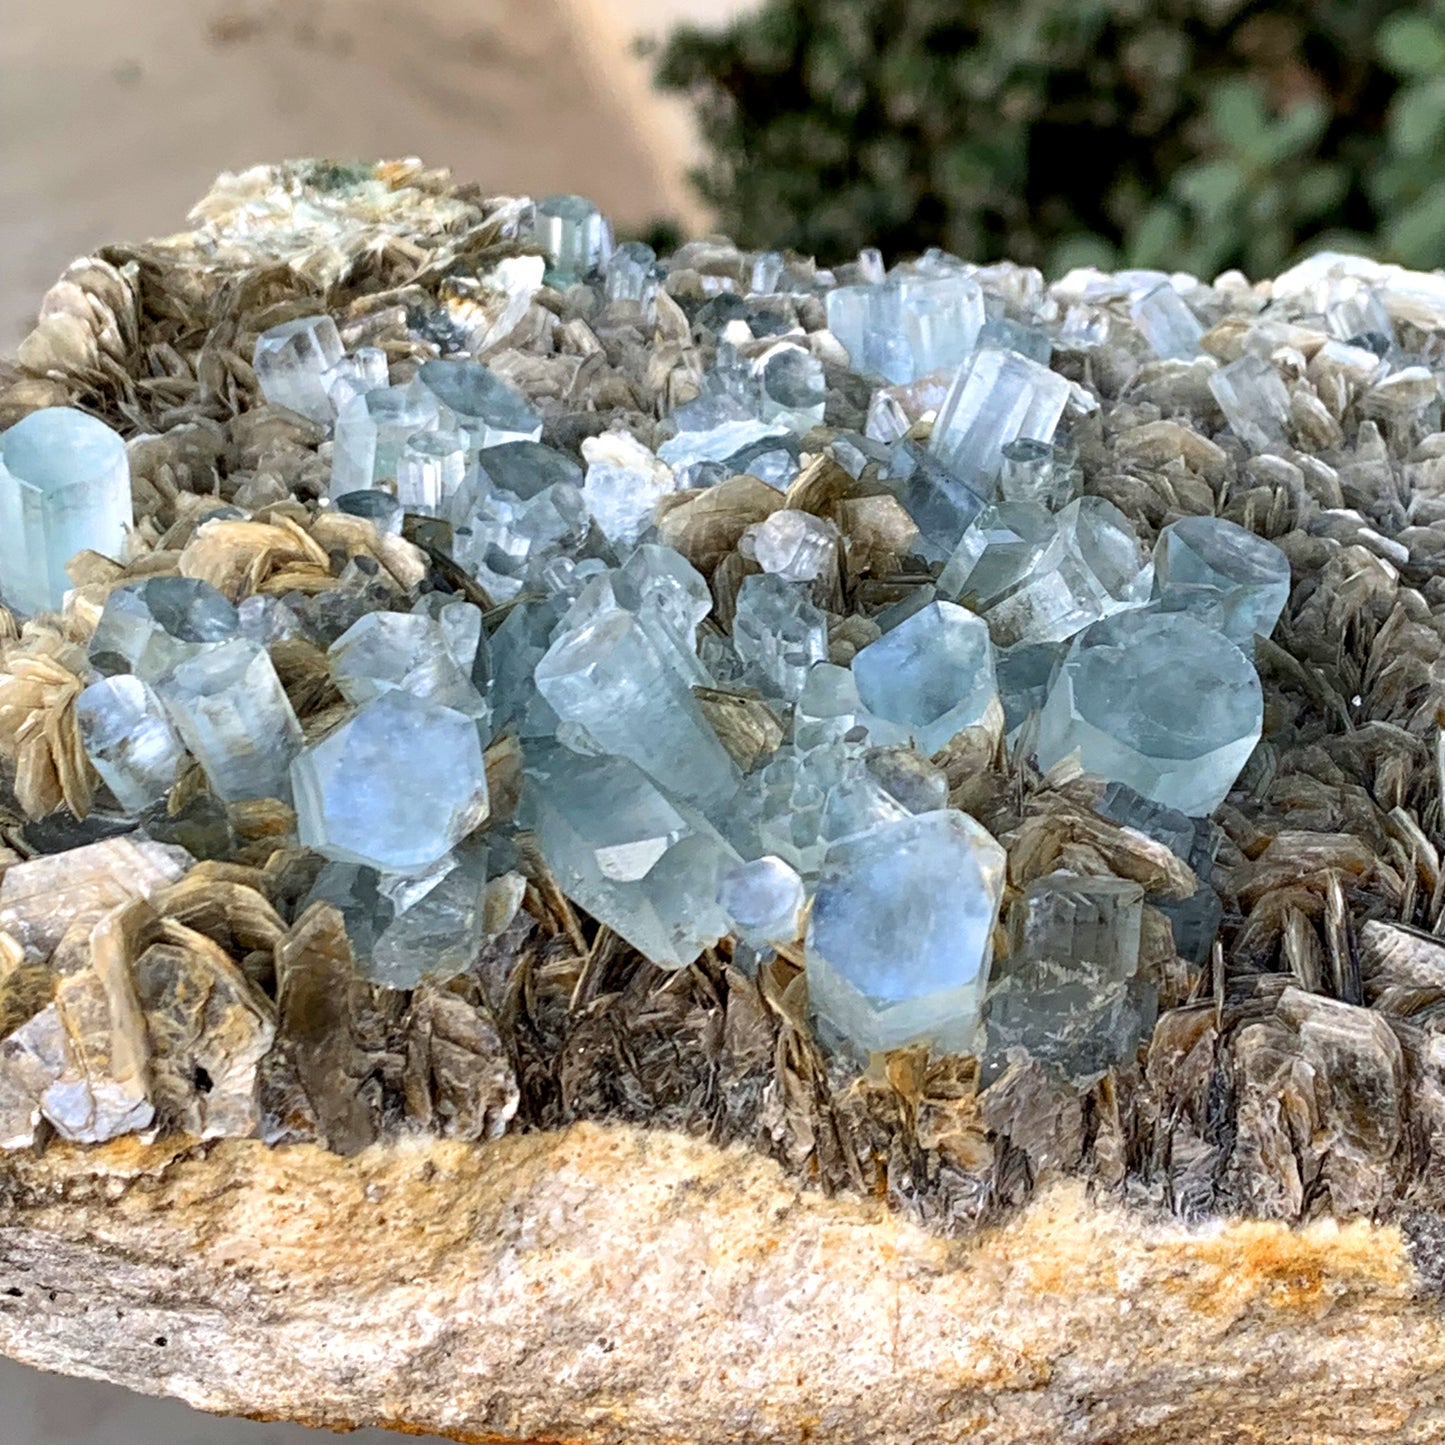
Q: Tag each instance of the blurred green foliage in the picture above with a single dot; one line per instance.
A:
(1190, 134)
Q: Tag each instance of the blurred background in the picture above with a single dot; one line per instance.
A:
(1193, 135)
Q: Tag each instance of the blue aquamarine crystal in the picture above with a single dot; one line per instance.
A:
(779, 633)
(907, 326)
(1165, 321)
(148, 627)
(230, 708)
(901, 933)
(371, 431)
(932, 674)
(574, 234)
(829, 710)
(408, 651)
(643, 863)
(431, 472)
(64, 488)
(406, 927)
(395, 787)
(1038, 579)
(623, 485)
(609, 678)
(129, 740)
(476, 402)
(1182, 745)
(632, 274)
(1043, 472)
(940, 503)
(1089, 926)
(1254, 401)
(296, 365)
(1226, 576)
(997, 397)
(763, 900)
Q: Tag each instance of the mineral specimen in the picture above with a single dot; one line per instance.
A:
(64, 488)
(371, 432)
(129, 740)
(149, 627)
(296, 365)
(357, 801)
(1228, 577)
(932, 674)
(900, 938)
(1181, 745)
(229, 706)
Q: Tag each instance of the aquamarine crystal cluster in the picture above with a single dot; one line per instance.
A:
(889, 602)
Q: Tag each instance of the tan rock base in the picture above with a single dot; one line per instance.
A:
(622, 1286)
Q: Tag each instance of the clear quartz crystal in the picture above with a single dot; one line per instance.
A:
(779, 633)
(294, 364)
(1223, 574)
(997, 397)
(431, 471)
(932, 674)
(574, 234)
(148, 627)
(1183, 744)
(230, 708)
(64, 488)
(394, 788)
(1165, 321)
(610, 678)
(371, 431)
(640, 861)
(129, 740)
(900, 937)
(475, 401)
(764, 899)
(797, 546)
(1254, 401)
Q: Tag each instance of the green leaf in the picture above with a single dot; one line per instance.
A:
(1157, 239)
(1417, 235)
(1081, 249)
(1211, 187)
(1412, 45)
(1417, 117)
(1319, 189)
(1298, 130)
(1237, 110)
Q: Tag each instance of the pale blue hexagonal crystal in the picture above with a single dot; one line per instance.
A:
(791, 388)
(574, 234)
(1228, 577)
(609, 678)
(129, 740)
(295, 364)
(394, 787)
(932, 674)
(1165, 321)
(475, 401)
(764, 900)
(779, 633)
(64, 488)
(230, 708)
(997, 397)
(371, 430)
(641, 862)
(405, 650)
(1158, 701)
(148, 627)
(901, 932)
(1254, 400)
(431, 472)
